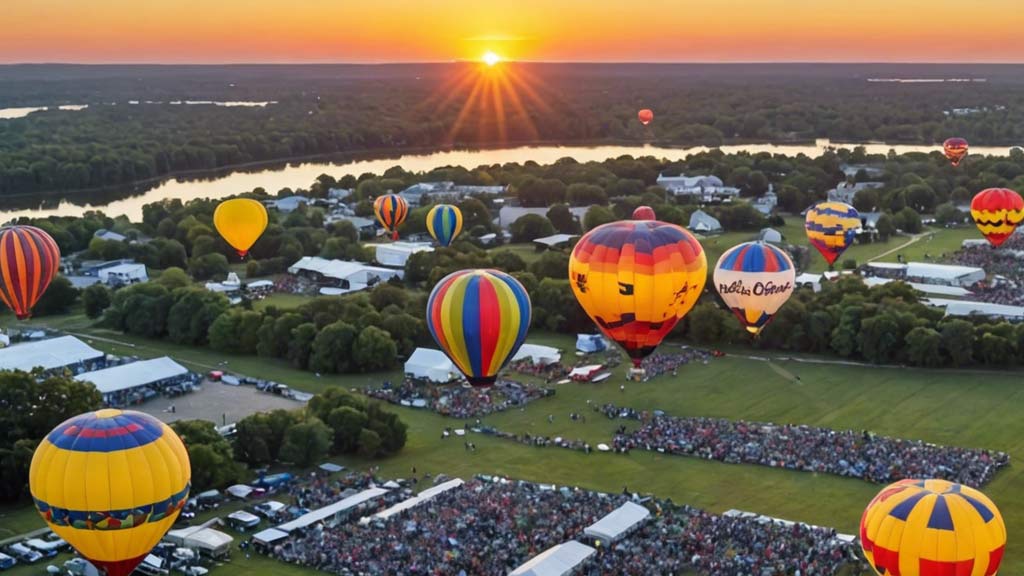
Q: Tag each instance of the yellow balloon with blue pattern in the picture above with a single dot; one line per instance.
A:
(111, 483)
(444, 222)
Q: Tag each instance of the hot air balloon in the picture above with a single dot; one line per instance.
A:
(241, 222)
(111, 483)
(644, 213)
(636, 279)
(391, 210)
(29, 260)
(755, 280)
(955, 149)
(997, 212)
(932, 528)
(479, 319)
(831, 228)
(645, 116)
(444, 222)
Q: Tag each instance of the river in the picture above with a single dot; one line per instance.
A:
(302, 174)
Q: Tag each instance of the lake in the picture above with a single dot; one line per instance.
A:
(10, 113)
(302, 174)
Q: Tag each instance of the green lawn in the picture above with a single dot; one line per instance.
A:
(282, 300)
(528, 251)
(950, 407)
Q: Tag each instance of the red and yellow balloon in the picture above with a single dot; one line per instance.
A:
(391, 210)
(636, 279)
(645, 116)
(29, 261)
(997, 212)
(955, 150)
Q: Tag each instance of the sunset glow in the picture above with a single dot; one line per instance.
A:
(199, 31)
(490, 58)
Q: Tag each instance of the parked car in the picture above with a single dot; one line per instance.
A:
(6, 561)
(24, 553)
(48, 548)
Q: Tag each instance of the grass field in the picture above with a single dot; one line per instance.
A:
(282, 300)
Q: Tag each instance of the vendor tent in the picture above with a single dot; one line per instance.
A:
(617, 523)
(430, 364)
(269, 536)
(208, 541)
(240, 491)
(590, 343)
(539, 355)
(556, 561)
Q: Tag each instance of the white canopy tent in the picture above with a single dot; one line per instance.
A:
(556, 561)
(240, 491)
(416, 500)
(328, 513)
(538, 354)
(212, 542)
(133, 375)
(617, 523)
(48, 354)
(430, 364)
(269, 536)
(591, 343)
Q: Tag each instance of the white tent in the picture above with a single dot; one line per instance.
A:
(701, 221)
(134, 375)
(540, 355)
(269, 536)
(770, 235)
(330, 513)
(555, 561)
(617, 523)
(240, 491)
(555, 240)
(397, 253)
(945, 273)
(416, 500)
(212, 542)
(591, 343)
(970, 308)
(430, 364)
(48, 354)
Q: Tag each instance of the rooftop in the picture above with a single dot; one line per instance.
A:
(332, 509)
(47, 354)
(127, 376)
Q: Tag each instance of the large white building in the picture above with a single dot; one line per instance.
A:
(927, 273)
(122, 385)
(704, 188)
(52, 354)
(846, 191)
(124, 274)
(445, 191)
(396, 254)
(342, 276)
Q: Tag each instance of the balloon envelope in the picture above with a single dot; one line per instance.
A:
(755, 280)
(997, 212)
(645, 116)
(932, 527)
(241, 222)
(391, 210)
(444, 222)
(955, 149)
(636, 279)
(831, 228)
(644, 213)
(111, 483)
(29, 260)
(479, 318)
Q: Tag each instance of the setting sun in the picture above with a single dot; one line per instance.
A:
(490, 58)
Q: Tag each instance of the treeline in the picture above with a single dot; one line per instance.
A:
(106, 145)
(29, 408)
(885, 324)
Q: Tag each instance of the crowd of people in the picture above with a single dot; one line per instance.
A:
(549, 372)
(491, 526)
(658, 364)
(1007, 261)
(457, 401)
(841, 452)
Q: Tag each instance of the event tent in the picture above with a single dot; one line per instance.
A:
(590, 343)
(331, 512)
(430, 364)
(539, 355)
(48, 354)
(617, 523)
(414, 501)
(555, 561)
(212, 542)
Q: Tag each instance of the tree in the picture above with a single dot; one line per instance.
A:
(996, 350)
(252, 440)
(581, 194)
(908, 220)
(192, 314)
(301, 345)
(274, 335)
(174, 277)
(866, 200)
(208, 266)
(707, 323)
(948, 214)
(58, 298)
(96, 299)
(924, 347)
(171, 253)
(957, 336)
(385, 294)
(534, 192)
(529, 227)
(211, 455)
(306, 443)
(332, 348)
(562, 219)
(373, 350)
(508, 261)
(347, 423)
(885, 227)
(550, 265)
(879, 338)
(597, 215)
(369, 443)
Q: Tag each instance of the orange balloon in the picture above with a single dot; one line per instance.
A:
(645, 116)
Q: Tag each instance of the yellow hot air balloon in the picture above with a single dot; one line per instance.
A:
(111, 483)
(240, 221)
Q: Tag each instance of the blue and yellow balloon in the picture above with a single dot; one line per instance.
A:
(832, 228)
(444, 222)
(479, 318)
(755, 280)
(111, 483)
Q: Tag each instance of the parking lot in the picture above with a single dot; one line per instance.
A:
(217, 402)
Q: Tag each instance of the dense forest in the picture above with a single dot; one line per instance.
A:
(343, 109)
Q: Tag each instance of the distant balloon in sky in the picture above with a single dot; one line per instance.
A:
(391, 210)
(997, 212)
(241, 222)
(636, 279)
(645, 116)
(755, 280)
(644, 213)
(832, 228)
(479, 318)
(955, 149)
(444, 222)
(111, 483)
(932, 528)
(29, 260)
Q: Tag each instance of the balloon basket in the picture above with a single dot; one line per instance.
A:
(636, 374)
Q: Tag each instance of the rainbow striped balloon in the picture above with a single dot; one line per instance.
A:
(755, 280)
(932, 528)
(832, 228)
(29, 260)
(391, 210)
(111, 483)
(444, 222)
(479, 318)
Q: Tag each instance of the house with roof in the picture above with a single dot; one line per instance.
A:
(847, 191)
(286, 204)
(109, 235)
(341, 277)
(704, 223)
(425, 193)
(767, 203)
(704, 188)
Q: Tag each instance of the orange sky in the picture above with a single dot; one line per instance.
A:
(215, 31)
